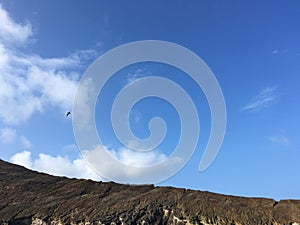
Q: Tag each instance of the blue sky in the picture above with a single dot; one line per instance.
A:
(253, 49)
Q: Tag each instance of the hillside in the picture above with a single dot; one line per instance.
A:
(28, 197)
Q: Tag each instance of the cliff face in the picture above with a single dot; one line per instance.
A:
(28, 197)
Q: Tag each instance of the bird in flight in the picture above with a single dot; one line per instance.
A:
(68, 113)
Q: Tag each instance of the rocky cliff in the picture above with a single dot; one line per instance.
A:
(28, 197)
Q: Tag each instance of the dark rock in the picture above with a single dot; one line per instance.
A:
(28, 197)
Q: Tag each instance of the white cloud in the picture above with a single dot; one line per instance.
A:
(56, 88)
(45, 63)
(136, 168)
(135, 158)
(62, 166)
(263, 99)
(78, 168)
(30, 83)
(59, 166)
(7, 135)
(28, 88)
(10, 31)
(22, 159)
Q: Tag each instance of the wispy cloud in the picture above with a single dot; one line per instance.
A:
(25, 143)
(263, 99)
(286, 52)
(280, 139)
(10, 135)
(7, 135)
(10, 31)
(136, 74)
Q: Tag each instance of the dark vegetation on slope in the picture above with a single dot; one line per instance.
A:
(28, 197)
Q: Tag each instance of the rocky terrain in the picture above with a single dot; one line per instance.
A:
(28, 197)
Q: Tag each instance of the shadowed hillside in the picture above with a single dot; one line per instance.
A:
(28, 197)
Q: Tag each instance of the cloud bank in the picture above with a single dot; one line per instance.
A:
(58, 165)
(79, 168)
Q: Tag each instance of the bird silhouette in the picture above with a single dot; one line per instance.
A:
(68, 114)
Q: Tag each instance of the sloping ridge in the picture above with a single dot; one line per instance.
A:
(28, 197)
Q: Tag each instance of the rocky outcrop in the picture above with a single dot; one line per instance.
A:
(28, 197)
